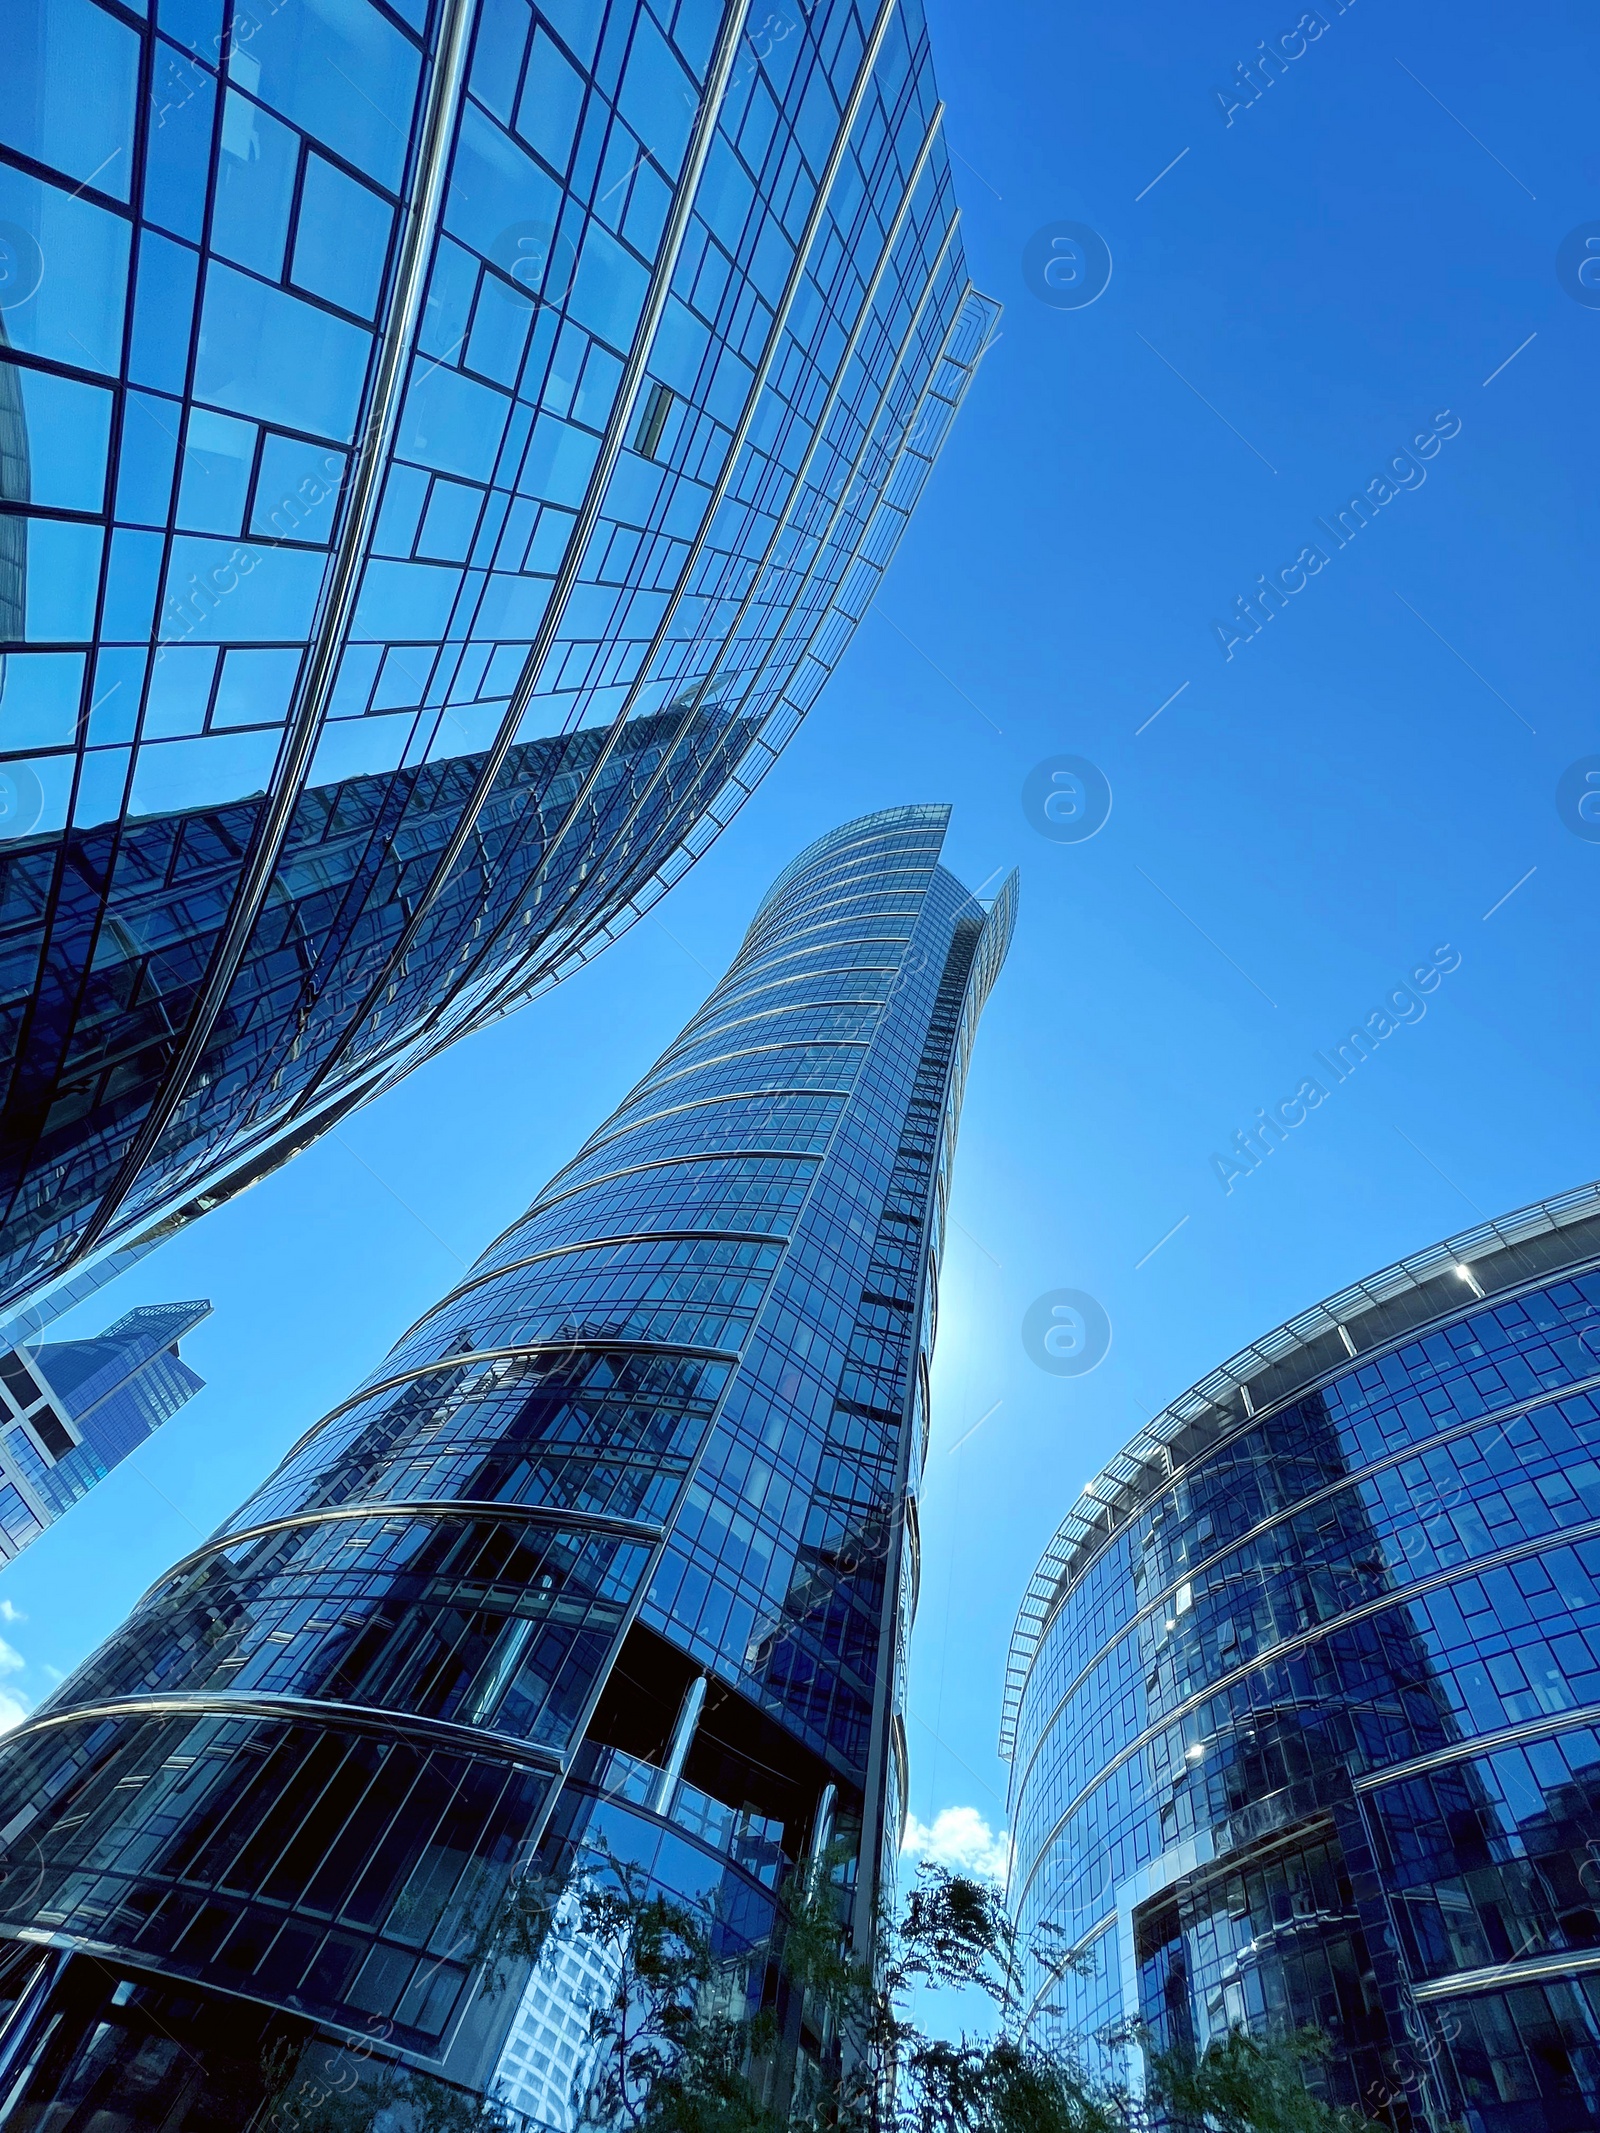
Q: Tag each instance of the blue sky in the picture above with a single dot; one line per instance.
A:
(1292, 302)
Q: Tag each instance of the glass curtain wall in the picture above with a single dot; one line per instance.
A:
(618, 1541)
(444, 447)
(1304, 1701)
(71, 1410)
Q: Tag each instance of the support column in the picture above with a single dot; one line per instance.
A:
(694, 1697)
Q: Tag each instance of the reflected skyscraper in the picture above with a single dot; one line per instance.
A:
(444, 447)
(71, 1410)
(616, 1548)
(1303, 1707)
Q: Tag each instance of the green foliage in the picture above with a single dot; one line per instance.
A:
(429, 2106)
(676, 2049)
(956, 1932)
(657, 2053)
(514, 1931)
(888, 2076)
(1007, 2087)
(1243, 2083)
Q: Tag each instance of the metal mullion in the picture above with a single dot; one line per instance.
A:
(131, 212)
(303, 1710)
(858, 558)
(527, 683)
(584, 528)
(830, 607)
(348, 560)
(592, 1244)
(828, 532)
(784, 518)
(463, 1507)
(491, 1007)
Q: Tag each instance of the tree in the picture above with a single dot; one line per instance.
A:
(1242, 2083)
(676, 2049)
(885, 2074)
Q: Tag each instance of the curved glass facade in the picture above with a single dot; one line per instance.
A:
(619, 1539)
(1304, 1709)
(444, 447)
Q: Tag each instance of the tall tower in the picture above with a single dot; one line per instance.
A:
(444, 447)
(71, 1410)
(620, 1537)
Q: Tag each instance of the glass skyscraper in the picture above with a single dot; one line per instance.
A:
(1303, 1707)
(444, 447)
(70, 1410)
(617, 1546)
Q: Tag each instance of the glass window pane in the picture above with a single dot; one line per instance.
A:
(66, 426)
(67, 89)
(341, 72)
(342, 238)
(267, 354)
(255, 187)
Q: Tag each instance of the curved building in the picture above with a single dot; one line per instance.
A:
(444, 447)
(618, 1543)
(1303, 1704)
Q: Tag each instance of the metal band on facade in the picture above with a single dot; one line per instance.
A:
(1495, 1417)
(405, 310)
(303, 1710)
(704, 1103)
(516, 975)
(701, 135)
(486, 1509)
(522, 1351)
(1544, 1727)
(591, 1244)
(1269, 1655)
(1047, 1587)
(668, 1162)
(1521, 1970)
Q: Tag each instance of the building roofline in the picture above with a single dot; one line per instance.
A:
(1371, 1315)
(923, 813)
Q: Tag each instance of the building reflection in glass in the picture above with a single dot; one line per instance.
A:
(618, 1543)
(439, 503)
(1252, 1674)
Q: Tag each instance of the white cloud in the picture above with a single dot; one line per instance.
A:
(8, 1613)
(959, 1837)
(13, 1710)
